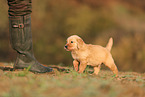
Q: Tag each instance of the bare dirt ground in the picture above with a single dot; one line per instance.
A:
(65, 82)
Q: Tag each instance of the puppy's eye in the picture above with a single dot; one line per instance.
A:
(72, 42)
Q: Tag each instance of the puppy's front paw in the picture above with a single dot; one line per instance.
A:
(80, 71)
(76, 68)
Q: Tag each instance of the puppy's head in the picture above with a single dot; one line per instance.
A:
(74, 42)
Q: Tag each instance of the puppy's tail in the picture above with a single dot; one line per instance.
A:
(110, 43)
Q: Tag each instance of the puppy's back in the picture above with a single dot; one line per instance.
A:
(97, 50)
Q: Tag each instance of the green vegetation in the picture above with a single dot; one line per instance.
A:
(71, 84)
(95, 21)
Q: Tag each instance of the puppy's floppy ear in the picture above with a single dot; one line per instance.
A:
(80, 43)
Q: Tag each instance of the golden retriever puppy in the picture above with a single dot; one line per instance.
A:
(88, 54)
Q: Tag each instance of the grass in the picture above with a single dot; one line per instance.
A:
(71, 84)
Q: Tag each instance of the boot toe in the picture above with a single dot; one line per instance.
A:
(41, 69)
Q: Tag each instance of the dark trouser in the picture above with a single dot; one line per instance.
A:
(21, 36)
(19, 7)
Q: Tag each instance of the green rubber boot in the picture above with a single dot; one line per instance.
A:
(21, 41)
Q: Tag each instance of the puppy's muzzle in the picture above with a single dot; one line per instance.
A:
(65, 46)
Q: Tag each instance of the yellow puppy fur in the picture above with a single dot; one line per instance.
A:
(88, 54)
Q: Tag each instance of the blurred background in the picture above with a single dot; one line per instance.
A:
(93, 20)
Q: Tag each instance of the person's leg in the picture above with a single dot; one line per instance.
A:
(21, 36)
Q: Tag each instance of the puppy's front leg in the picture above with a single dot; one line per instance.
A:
(75, 63)
(82, 67)
(97, 69)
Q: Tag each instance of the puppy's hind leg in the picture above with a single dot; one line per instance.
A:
(111, 65)
(97, 69)
(114, 69)
(75, 63)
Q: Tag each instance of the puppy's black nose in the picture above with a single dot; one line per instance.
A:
(65, 46)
